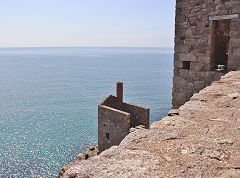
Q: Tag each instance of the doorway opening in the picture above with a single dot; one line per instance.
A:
(221, 38)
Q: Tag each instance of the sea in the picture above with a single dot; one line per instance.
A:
(49, 98)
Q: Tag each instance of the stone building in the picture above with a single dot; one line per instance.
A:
(207, 44)
(115, 118)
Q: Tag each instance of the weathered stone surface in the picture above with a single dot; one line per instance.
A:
(201, 141)
(186, 57)
(234, 95)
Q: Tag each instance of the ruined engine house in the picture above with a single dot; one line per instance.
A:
(115, 118)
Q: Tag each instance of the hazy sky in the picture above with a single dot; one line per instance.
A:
(86, 23)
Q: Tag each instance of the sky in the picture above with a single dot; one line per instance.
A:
(54, 23)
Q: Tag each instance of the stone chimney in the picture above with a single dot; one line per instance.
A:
(119, 91)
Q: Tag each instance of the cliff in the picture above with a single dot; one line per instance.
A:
(200, 139)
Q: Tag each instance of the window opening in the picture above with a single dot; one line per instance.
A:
(107, 135)
(186, 65)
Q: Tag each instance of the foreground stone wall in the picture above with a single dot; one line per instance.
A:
(200, 139)
(197, 44)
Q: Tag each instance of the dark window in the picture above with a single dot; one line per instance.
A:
(186, 65)
(107, 135)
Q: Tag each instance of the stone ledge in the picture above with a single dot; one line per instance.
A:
(224, 17)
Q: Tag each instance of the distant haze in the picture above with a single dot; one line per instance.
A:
(46, 23)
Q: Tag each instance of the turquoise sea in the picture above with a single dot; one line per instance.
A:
(49, 98)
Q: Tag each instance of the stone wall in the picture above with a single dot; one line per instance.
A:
(115, 118)
(197, 49)
(113, 126)
(139, 114)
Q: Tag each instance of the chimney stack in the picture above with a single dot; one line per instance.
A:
(120, 91)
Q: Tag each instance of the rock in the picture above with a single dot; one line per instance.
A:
(62, 171)
(173, 112)
(167, 158)
(90, 152)
(140, 127)
(224, 141)
(132, 129)
(80, 156)
(91, 148)
(234, 95)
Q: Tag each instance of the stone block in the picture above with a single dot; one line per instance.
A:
(195, 66)
(235, 26)
(233, 62)
(204, 60)
(181, 97)
(236, 8)
(234, 43)
(236, 52)
(178, 64)
(180, 81)
(199, 84)
(186, 57)
(181, 48)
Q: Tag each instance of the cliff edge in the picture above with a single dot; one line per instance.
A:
(200, 139)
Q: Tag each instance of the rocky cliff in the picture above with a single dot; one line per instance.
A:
(200, 139)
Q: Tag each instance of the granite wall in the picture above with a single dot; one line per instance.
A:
(207, 33)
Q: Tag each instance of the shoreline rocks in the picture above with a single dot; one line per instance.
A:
(90, 152)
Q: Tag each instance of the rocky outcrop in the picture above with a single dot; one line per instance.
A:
(200, 139)
(90, 152)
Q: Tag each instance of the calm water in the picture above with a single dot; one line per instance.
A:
(49, 98)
